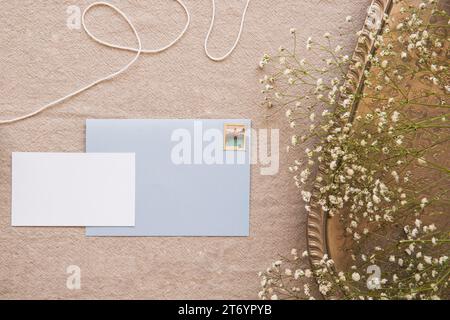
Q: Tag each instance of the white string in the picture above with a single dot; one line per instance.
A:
(138, 51)
(158, 50)
(241, 28)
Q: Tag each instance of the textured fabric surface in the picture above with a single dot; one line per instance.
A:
(42, 59)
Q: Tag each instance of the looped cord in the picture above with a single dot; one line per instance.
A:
(107, 44)
(241, 28)
(139, 50)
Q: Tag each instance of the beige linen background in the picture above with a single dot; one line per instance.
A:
(42, 59)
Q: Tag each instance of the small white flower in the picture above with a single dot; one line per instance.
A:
(395, 176)
(395, 116)
(376, 199)
(298, 273)
(306, 289)
(333, 165)
(294, 140)
(309, 43)
(421, 161)
(356, 276)
(423, 202)
(319, 82)
(306, 196)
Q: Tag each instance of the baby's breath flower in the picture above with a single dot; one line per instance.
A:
(355, 276)
(368, 179)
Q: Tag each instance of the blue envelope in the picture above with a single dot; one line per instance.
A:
(192, 176)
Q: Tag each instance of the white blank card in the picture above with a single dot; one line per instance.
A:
(73, 189)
